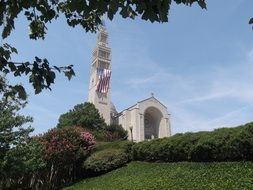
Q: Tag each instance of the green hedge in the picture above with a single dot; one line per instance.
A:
(125, 145)
(105, 160)
(110, 133)
(225, 144)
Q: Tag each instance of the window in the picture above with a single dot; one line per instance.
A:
(103, 38)
(104, 65)
(104, 54)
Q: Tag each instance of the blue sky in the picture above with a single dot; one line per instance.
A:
(199, 65)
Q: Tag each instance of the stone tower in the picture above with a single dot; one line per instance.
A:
(100, 83)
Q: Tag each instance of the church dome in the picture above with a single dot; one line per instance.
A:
(113, 110)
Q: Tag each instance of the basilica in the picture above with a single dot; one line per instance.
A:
(147, 119)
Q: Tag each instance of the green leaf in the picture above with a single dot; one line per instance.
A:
(69, 73)
(21, 91)
(145, 15)
(8, 27)
(113, 8)
(28, 70)
(202, 4)
(12, 66)
(57, 68)
(37, 59)
(124, 12)
(251, 21)
(6, 71)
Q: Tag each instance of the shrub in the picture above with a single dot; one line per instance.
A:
(63, 146)
(105, 160)
(114, 133)
(64, 151)
(174, 148)
(110, 133)
(225, 144)
(125, 146)
(203, 151)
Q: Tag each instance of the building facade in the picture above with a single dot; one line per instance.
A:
(147, 119)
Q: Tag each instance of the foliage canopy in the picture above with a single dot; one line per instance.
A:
(84, 115)
(87, 116)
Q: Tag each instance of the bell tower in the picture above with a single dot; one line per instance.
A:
(100, 76)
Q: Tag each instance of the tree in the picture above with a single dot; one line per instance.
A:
(22, 166)
(12, 132)
(84, 115)
(86, 14)
(87, 116)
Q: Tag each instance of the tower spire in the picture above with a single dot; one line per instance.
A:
(100, 83)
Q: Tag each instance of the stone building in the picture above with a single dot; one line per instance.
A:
(147, 119)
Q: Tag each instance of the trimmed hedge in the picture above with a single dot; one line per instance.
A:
(105, 160)
(125, 145)
(225, 144)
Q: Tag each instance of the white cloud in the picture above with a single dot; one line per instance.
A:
(231, 86)
(250, 55)
(184, 92)
(208, 97)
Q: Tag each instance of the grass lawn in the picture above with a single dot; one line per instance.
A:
(166, 176)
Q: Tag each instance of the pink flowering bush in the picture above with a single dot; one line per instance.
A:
(89, 138)
(66, 145)
(64, 151)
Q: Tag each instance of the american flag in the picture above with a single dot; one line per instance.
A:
(104, 76)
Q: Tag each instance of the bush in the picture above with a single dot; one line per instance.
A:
(64, 151)
(172, 149)
(125, 146)
(110, 133)
(66, 145)
(225, 144)
(116, 132)
(105, 160)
